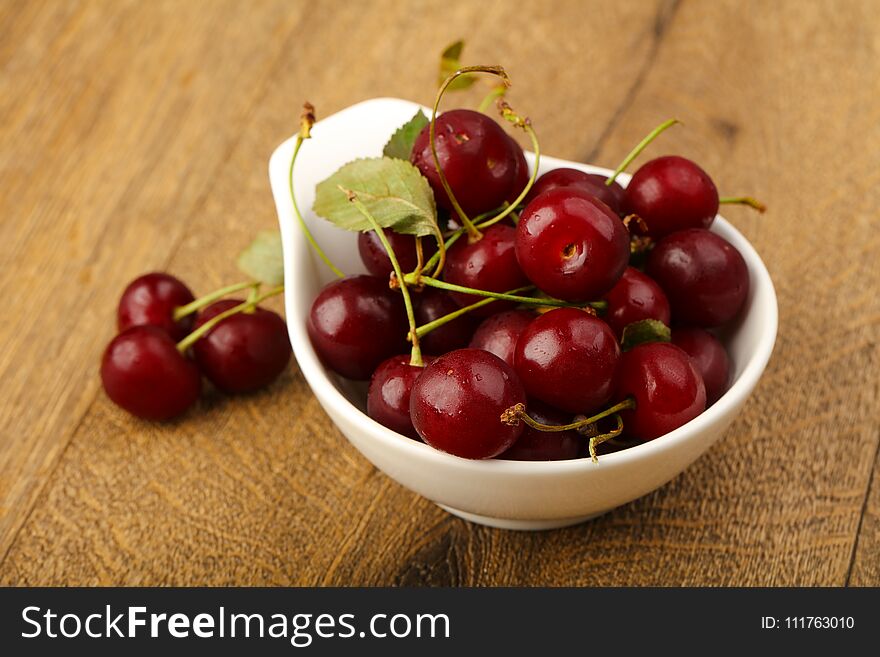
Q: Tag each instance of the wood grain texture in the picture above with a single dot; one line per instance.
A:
(135, 136)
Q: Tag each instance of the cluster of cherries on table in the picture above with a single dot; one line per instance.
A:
(502, 380)
(168, 340)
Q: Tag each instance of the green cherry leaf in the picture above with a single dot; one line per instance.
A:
(401, 143)
(647, 330)
(262, 260)
(393, 190)
(450, 62)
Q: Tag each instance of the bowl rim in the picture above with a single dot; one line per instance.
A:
(329, 395)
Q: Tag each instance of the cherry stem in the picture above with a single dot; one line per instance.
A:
(525, 124)
(254, 293)
(439, 257)
(603, 437)
(416, 352)
(473, 233)
(182, 311)
(640, 244)
(634, 219)
(634, 153)
(517, 412)
(497, 91)
(743, 200)
(440, 321)
(454, 237)
(193, 337)
(306, 121)
(532, 301)
(420, 256)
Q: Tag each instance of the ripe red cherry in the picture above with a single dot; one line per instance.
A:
(143, 372)
(150, 300)
(635, 297)
(457, 402)
(568, 359)
(488, 264)
(432, 304)
(672, 193)
(521, 175)
(355, 323)
(592, 183)
(571, 245)
(376, 260)
(477, 158)
(534, 445)
(498, 334)
(709, 357)
(667, 388)
(244, 352)
(705, 278)
(389, 393)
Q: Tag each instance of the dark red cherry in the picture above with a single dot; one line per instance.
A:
(571, 245)
(376, 260)
(709, 356)
(355, 323)
(568, 359)
(498, 334)
(432, 304)
(389, 393)
(535, 445)
(457, 402)
(477, 158)
(592, 183)
(667, 388)
(705, 278)
(521, 175)
(144, 373)
(244, 352)
(488, 264)
(672, 193)
(635, 297)
(150, 300)
(611, 195)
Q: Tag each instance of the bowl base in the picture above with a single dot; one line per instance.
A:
(520, 525)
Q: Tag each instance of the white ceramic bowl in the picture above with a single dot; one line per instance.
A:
(507, 494)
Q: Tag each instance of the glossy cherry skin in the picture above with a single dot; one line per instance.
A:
(611, 195)
(521, 175)
(376, 259)
(477, 158)
(457, 402)
(355, 323)
(571, 245)
(488, 264)
(389, 392)
(635, 297)
(705, 278)
(709, 357)
(672, 193)
(499, 333)
(244, 352)
(150, 300)
(143, 372)
(567, 358)
(432, 304)
(535, 445)
(667, 388)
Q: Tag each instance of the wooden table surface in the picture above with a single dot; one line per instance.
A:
(134, 136)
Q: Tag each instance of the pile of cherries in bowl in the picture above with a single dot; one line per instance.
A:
(615, 346)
